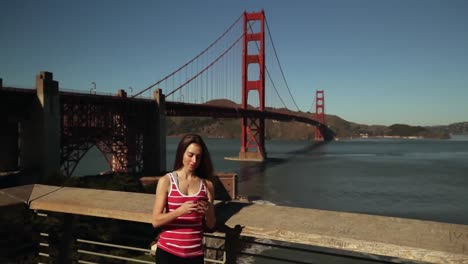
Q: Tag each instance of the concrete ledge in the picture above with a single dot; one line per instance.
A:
(387, 236)
(129, 206)
(244, 159)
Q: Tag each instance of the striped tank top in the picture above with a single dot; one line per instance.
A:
(183, 237)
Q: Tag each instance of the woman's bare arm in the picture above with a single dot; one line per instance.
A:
(160, 216)
(210, 217)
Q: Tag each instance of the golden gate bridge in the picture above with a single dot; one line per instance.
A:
(229, 79)
(193, 89)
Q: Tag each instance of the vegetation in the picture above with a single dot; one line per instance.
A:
(405, 130)
(460, 128)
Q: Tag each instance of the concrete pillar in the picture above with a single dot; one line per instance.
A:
(161, 101)
(40, 134)
(122, 93)
(154, 139)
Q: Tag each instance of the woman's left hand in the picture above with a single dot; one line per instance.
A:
(203, 206)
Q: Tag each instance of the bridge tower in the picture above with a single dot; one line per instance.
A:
(319, 113)
(253, 129)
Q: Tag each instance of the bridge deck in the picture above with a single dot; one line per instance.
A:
(393, 237)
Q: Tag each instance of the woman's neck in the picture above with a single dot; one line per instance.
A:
(185, 174)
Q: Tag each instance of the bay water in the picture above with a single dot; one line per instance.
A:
(420, 179)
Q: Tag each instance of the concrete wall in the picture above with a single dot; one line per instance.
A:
(9, 144)
(9, 151)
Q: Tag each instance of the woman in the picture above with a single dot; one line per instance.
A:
(184, 200)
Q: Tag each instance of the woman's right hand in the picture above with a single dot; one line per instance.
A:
(187, 207)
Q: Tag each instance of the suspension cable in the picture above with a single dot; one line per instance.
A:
(313, 104)
(279, 64)
(274, 86)
(211, 64)
(201, 53)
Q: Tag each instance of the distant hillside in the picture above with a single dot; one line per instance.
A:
(223, 102)
(230, 128)
(460, 128)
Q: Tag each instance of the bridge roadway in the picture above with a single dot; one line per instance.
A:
(19, 101)
(207, 110)
(391, 238)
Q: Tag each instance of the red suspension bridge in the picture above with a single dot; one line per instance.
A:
(193, 89)
(228, 79)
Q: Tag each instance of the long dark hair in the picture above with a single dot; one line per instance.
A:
(205, 167)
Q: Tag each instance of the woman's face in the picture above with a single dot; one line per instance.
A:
(192, 156)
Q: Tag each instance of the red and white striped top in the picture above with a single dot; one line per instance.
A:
(183, 237)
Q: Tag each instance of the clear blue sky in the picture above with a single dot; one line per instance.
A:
(379, 62)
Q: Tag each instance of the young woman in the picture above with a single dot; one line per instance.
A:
(184, 200)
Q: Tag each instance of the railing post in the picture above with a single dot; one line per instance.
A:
(66, 241)
(232, 244)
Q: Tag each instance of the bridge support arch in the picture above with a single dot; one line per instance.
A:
(253, 128)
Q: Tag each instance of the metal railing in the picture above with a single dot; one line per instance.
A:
(94, 250)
